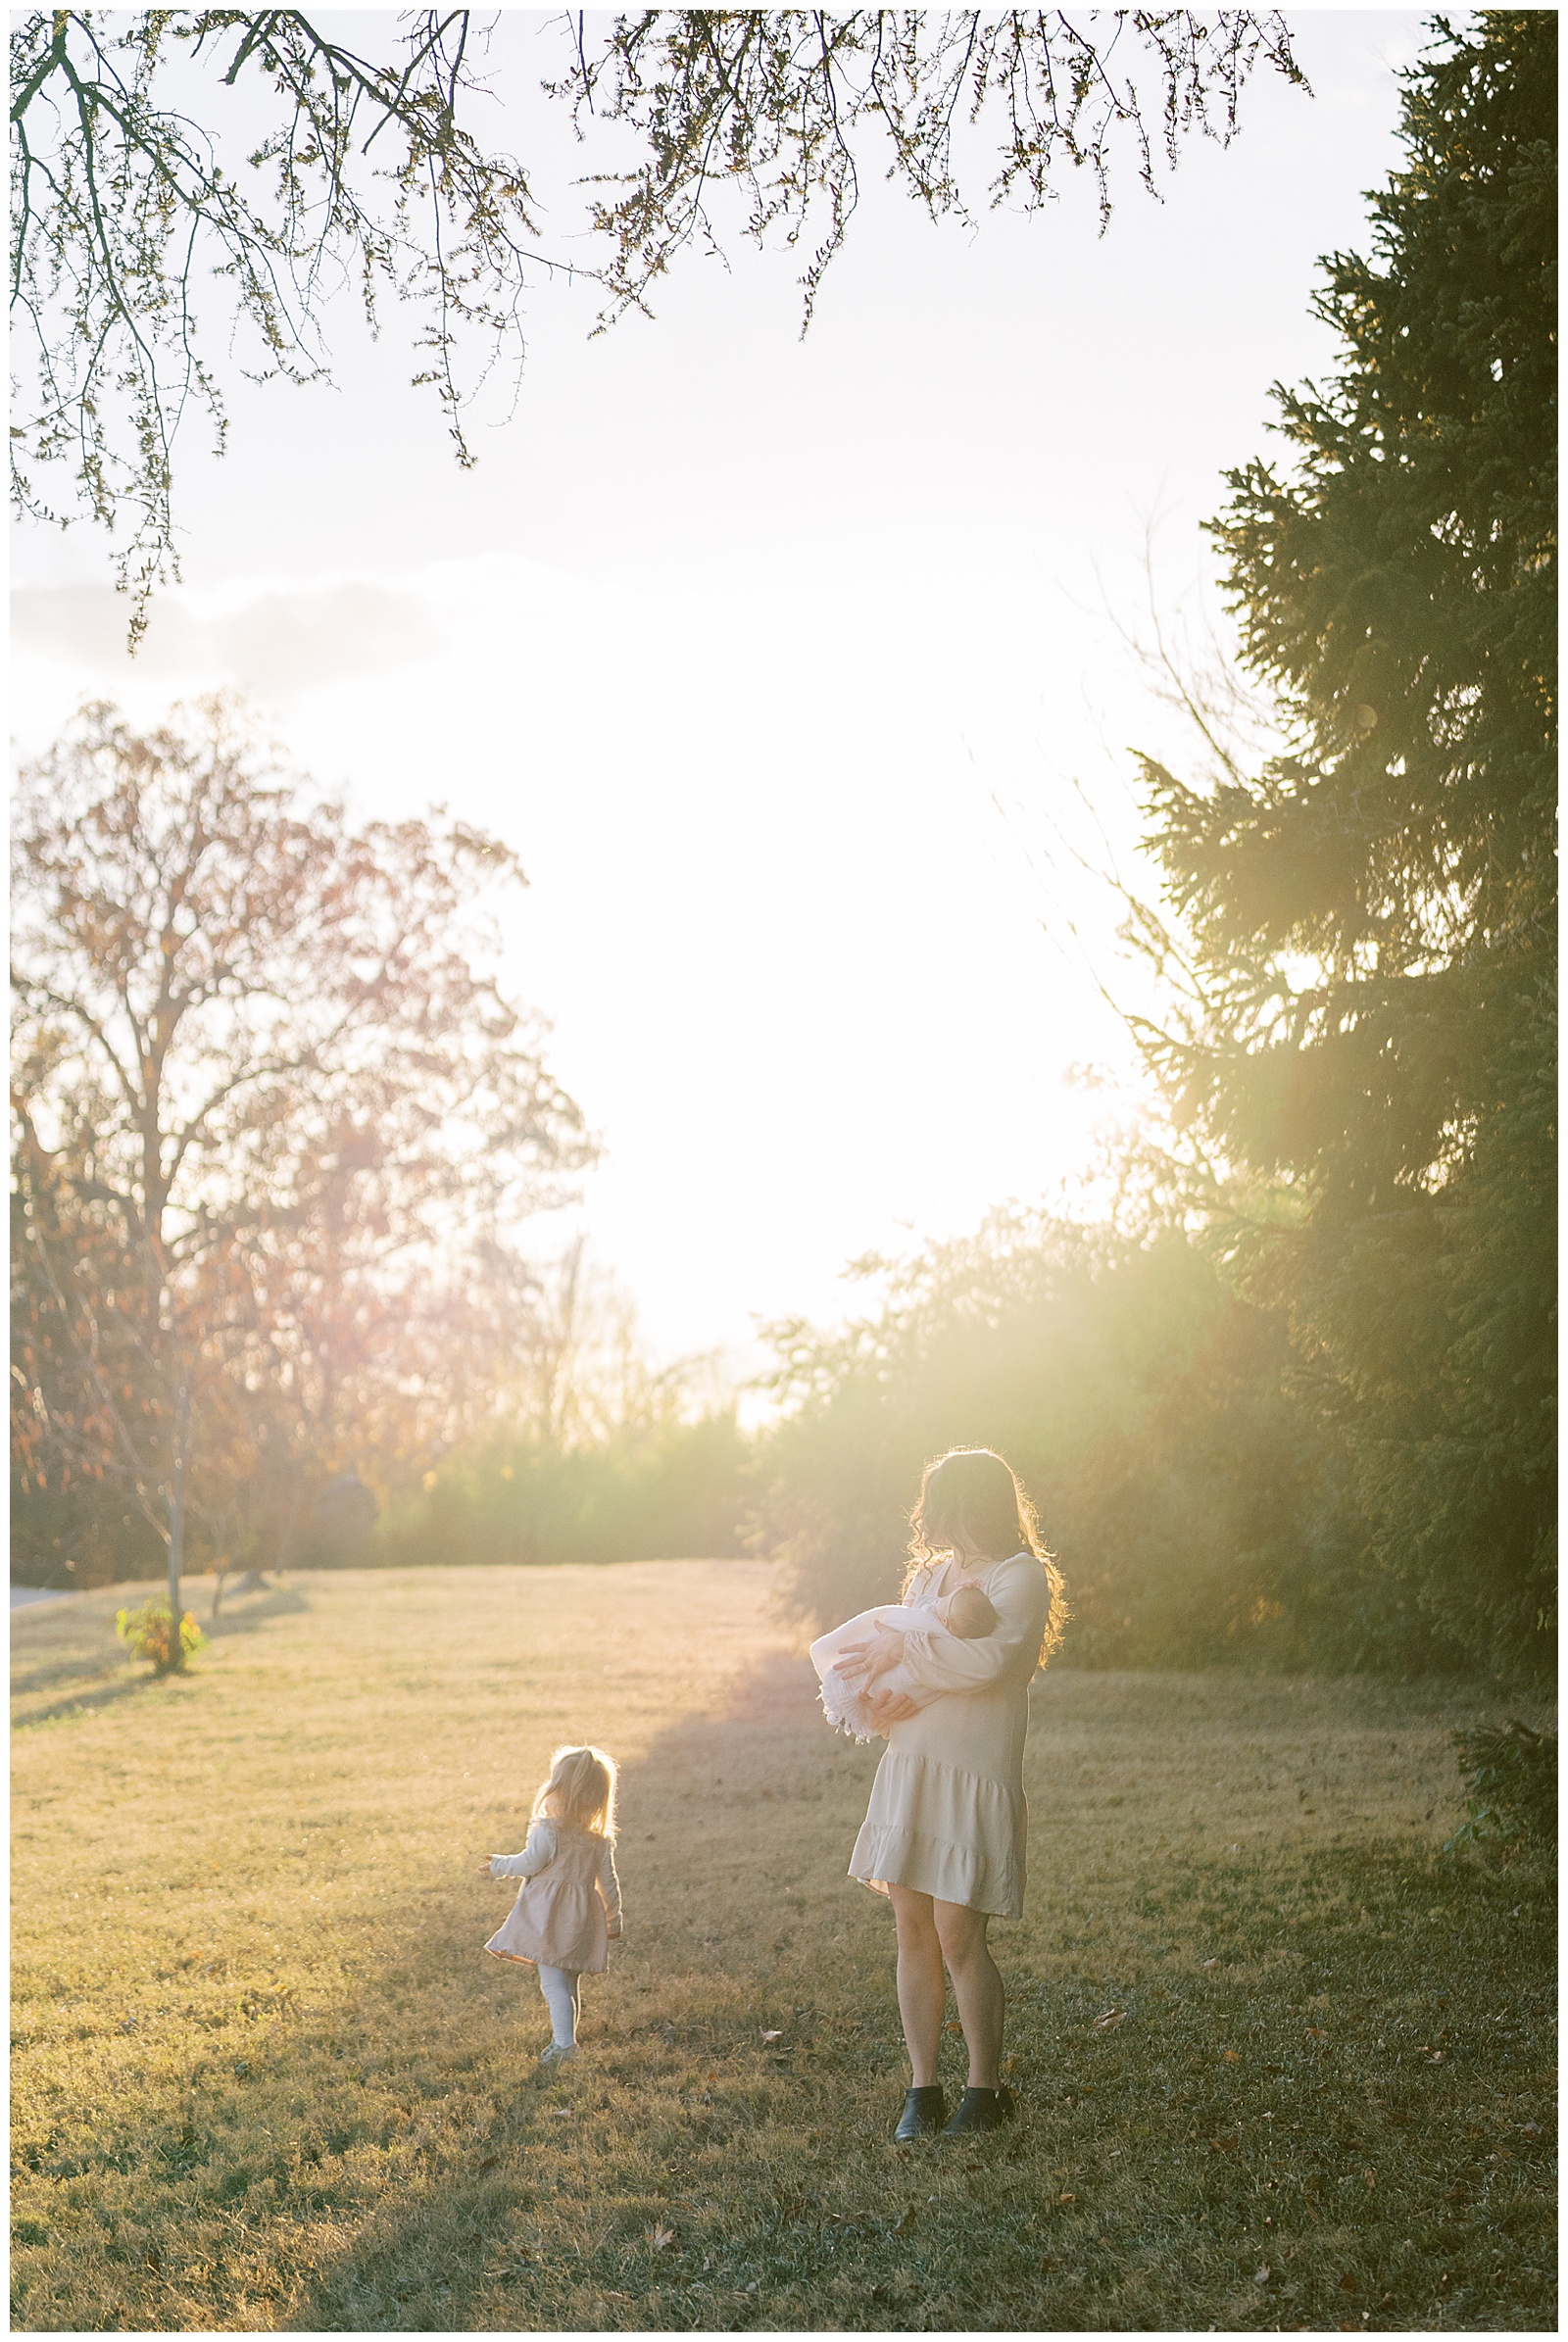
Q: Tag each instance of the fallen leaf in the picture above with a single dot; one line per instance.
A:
(952, 2027)
(1211, 1964)
(1530, 2130)
(778, 2037)
(1347, 2283)
(1316, 2032)
(660, 2238)
(906, 2222)
(1047, 2263)
(1232, 2057)
(1110, 2021)
(1262, 2274)
(1066, 2198)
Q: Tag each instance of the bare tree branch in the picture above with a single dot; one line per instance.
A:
(133, 220)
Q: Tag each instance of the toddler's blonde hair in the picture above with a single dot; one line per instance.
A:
(580, 1791)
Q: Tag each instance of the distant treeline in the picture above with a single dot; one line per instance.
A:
(1203, 1507)
(1203, 1511)
(674, 1492)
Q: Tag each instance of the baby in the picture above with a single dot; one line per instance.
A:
(965, 1613)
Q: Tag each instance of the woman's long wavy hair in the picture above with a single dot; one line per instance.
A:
(973, 1503)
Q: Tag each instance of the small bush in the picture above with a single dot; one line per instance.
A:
(1511, 1774)
(145, 1635)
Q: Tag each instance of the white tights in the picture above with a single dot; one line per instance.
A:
(560, 1988)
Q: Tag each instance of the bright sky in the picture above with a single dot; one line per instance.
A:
(742, 641)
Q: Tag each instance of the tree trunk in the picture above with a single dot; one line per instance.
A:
(176, 1528)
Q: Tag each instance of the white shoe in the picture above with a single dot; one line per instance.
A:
(557, 2051)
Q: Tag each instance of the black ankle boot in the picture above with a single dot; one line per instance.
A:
(981, 2110)
(923, 2111)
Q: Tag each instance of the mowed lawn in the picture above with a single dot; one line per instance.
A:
(1281, 2064)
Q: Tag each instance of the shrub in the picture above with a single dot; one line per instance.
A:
(1195, 1501)
(145, 1635)
(1511, 1774)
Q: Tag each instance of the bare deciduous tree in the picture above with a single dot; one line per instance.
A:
(266, 1085)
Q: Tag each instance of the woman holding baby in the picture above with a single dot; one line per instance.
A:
(945, 1832)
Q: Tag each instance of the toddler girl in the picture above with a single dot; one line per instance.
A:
(567, 1911)
(965, 1613)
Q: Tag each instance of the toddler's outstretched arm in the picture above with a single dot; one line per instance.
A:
(537, 1855)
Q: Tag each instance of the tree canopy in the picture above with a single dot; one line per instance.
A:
(186, 182)
(1373, 914)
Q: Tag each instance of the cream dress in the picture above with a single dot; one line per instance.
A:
(568, 1897)
(948, 1815)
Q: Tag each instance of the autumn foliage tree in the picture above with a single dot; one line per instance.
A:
(267, 1093)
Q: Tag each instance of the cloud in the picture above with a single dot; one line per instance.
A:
(272, 640)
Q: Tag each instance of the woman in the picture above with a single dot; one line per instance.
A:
(945, 1832)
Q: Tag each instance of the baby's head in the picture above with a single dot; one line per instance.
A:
(968, 1614)
(580, 1791)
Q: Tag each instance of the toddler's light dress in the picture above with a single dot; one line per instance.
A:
(947, 1813)
(844, 1703)
(569, 1894)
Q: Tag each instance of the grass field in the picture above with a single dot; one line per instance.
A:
(263, 2076)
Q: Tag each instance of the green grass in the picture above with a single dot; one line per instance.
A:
(264, 2077)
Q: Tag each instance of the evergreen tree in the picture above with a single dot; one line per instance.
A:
(1374, 913)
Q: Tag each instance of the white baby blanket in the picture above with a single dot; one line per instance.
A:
(843, 1703)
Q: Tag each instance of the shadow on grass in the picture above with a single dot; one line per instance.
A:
(393, 2160)
(453, 2248)
(1168, 2131)
(87, 1702)
(77, 1655)
(253, 1610)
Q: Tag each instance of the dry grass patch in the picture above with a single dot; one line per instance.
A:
(265, 2078)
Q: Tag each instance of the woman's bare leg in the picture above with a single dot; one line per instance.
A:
(922, 1986)
(977, 1986)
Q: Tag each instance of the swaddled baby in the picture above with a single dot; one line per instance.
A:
(965, 1613)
